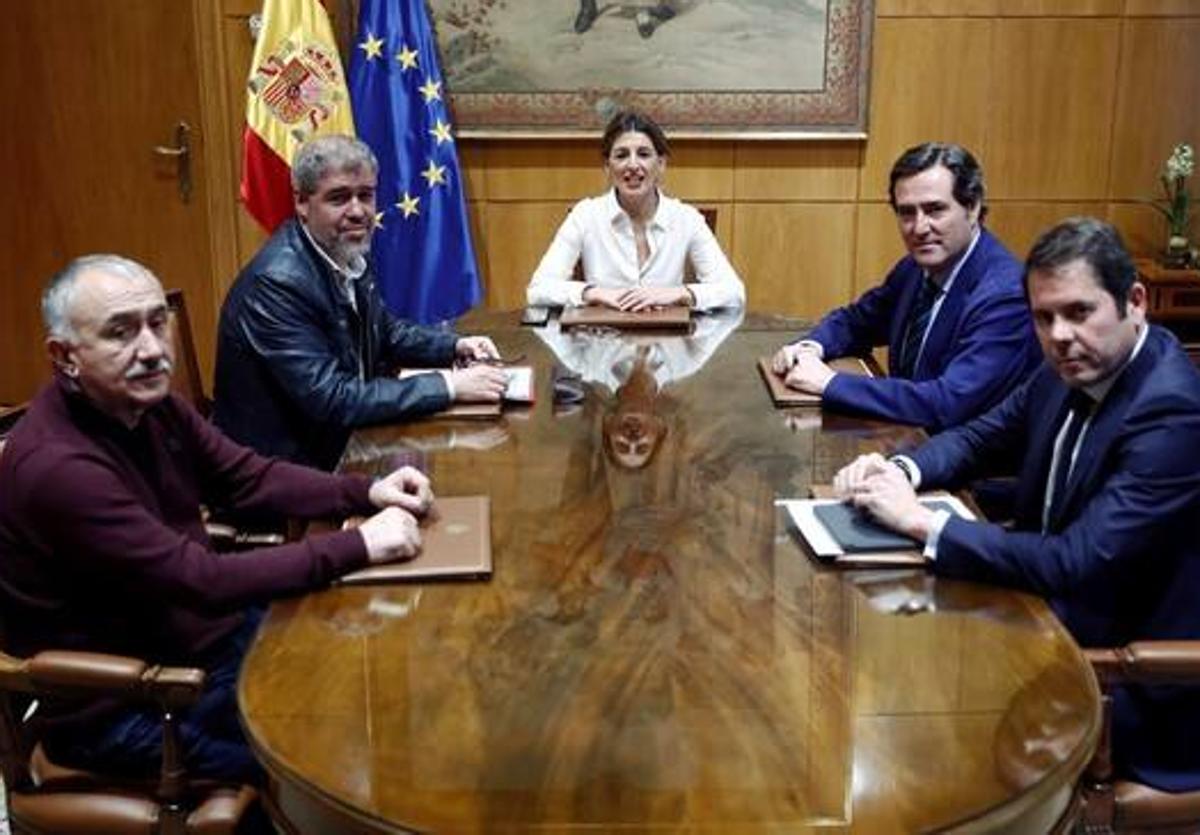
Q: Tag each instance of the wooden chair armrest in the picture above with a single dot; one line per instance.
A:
(1147, 662)
(65, 671)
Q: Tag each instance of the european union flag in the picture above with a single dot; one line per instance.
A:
(422, 246)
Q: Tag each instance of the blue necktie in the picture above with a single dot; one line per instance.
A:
(918, 323)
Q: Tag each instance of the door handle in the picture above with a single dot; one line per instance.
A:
(182, 152)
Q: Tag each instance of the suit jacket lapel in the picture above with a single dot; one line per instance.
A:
(1107, 420)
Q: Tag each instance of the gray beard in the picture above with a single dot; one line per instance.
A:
(345, 253)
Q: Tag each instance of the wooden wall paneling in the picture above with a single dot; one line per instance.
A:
(1059, 8)
(796, 171)
(930, 81)
(1143, 229)
(1165, 8)
(515, 236)
(1019, 224)
(1157, 95)
(724, 230)
(879, 246)
(795, 258)
(1050, 110)
(88, 81)
(936, 8)
(472, 159)
(476, 212)
(217, 112)
(700, 170)
(32, 239)
(542, 170)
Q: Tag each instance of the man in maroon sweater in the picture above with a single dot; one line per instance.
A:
(102, 547)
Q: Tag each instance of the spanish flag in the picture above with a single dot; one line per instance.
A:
(296, 90)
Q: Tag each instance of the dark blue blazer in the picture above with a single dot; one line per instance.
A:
(1120, 560)
(980, 346)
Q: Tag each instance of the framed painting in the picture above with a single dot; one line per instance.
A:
(711, 68)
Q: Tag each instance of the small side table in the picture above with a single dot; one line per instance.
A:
(1174, 301)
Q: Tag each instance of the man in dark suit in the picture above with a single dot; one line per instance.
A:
(1108, 496)
(951, 312)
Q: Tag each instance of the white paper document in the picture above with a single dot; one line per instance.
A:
(819, 539)
(520, 384)
(520, 381)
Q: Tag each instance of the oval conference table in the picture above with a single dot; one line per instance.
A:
(656, 650)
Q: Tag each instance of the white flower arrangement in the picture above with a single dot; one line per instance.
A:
(1177, 205)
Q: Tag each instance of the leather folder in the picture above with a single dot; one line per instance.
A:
(456, 544)
(662, 319)
(828, 548)
(857, 533)
(784, 397)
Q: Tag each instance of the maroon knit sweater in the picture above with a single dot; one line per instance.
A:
(101, 543)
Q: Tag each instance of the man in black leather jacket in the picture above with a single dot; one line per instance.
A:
(306, 351)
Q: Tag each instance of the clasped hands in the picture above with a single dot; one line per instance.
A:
(634, 299)
(805, 369)
(478, 381)
(876, 485)
(405, 495)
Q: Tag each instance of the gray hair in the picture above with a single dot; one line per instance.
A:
(60, 290)
(326, 154)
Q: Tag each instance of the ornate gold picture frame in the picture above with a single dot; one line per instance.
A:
(707, 68)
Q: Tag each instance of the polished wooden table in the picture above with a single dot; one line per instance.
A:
(656, 651)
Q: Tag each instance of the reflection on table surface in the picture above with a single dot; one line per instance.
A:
(656, 649)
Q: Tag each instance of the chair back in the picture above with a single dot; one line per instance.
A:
(14, 744)
(186, 381)
(9, 415)
(1114, 805)
(45, 797)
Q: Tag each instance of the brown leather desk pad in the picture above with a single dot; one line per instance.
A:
(784, 397)
(456, 544)
(662, 319)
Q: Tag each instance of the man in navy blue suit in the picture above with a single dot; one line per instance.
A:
(1108, 495)
(951, 312)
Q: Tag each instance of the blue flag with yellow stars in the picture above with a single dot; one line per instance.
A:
(422, 250)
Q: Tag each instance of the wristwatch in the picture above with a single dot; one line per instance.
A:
(904, 468)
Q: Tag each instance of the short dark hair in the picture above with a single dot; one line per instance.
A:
(635, 121)
(1097, 243)
(968, 176)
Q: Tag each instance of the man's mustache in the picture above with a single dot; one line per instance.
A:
(144, 368)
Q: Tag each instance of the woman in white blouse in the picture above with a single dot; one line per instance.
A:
(633, 239)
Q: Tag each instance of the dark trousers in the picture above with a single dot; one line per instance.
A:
(130, 742)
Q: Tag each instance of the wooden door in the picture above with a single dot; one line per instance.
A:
(91, 87)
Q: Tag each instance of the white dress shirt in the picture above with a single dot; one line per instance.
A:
(598, 230)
